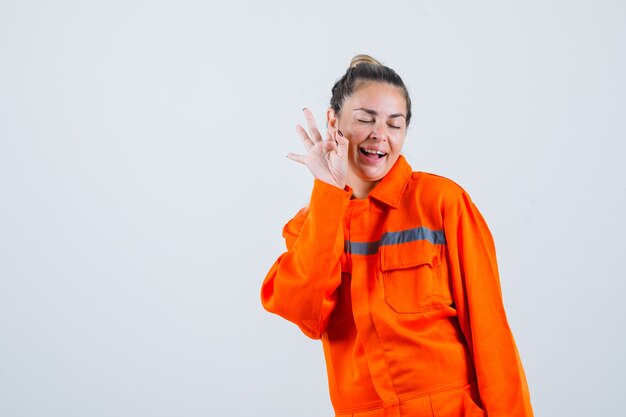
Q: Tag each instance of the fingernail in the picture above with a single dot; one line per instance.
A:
(304, 108)
(339, 131)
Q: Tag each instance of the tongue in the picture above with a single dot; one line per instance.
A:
(372, 156)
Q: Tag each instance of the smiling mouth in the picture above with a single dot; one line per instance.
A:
(372, 153)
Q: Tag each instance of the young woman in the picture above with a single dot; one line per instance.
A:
(394, 270)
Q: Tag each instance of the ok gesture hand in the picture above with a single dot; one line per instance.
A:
(326, 159)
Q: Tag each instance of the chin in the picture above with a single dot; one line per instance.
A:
(373, 175)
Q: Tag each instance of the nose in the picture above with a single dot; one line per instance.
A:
(379, 132)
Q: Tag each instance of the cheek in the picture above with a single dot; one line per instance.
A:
(397, 142)
(358, 134)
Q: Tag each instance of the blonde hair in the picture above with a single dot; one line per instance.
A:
(363, 59)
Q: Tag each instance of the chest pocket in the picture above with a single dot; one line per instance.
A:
(415, 277)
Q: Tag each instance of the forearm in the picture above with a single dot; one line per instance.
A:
(301, 284)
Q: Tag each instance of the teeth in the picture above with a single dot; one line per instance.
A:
(373, 152)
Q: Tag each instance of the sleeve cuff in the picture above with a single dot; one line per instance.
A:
(324, 192)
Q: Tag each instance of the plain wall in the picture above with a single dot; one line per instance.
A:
(144, 185)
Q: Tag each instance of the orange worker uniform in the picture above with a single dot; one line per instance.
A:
(403, 289)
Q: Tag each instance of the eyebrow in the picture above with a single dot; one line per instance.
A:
(374, 113)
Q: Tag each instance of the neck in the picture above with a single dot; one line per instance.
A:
(360, 187)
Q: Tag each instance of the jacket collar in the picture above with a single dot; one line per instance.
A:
(390, 189)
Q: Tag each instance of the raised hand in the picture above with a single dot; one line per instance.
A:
(326, 159)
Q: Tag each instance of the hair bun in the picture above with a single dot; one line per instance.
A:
(363, 59)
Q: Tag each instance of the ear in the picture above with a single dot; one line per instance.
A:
(331, 118)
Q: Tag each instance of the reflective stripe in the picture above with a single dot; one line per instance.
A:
(361, 248)
(436, 237)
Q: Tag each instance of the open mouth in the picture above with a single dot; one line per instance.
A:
(372, 153)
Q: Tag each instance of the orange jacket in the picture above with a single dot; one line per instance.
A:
(403, 289)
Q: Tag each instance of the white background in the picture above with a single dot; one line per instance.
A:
(144, 185)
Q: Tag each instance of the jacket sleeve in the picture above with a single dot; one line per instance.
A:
(478, 298)
(301, 285)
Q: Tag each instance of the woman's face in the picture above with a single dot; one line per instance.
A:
(373, 119)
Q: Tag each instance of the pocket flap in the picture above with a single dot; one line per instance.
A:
(408, 255)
